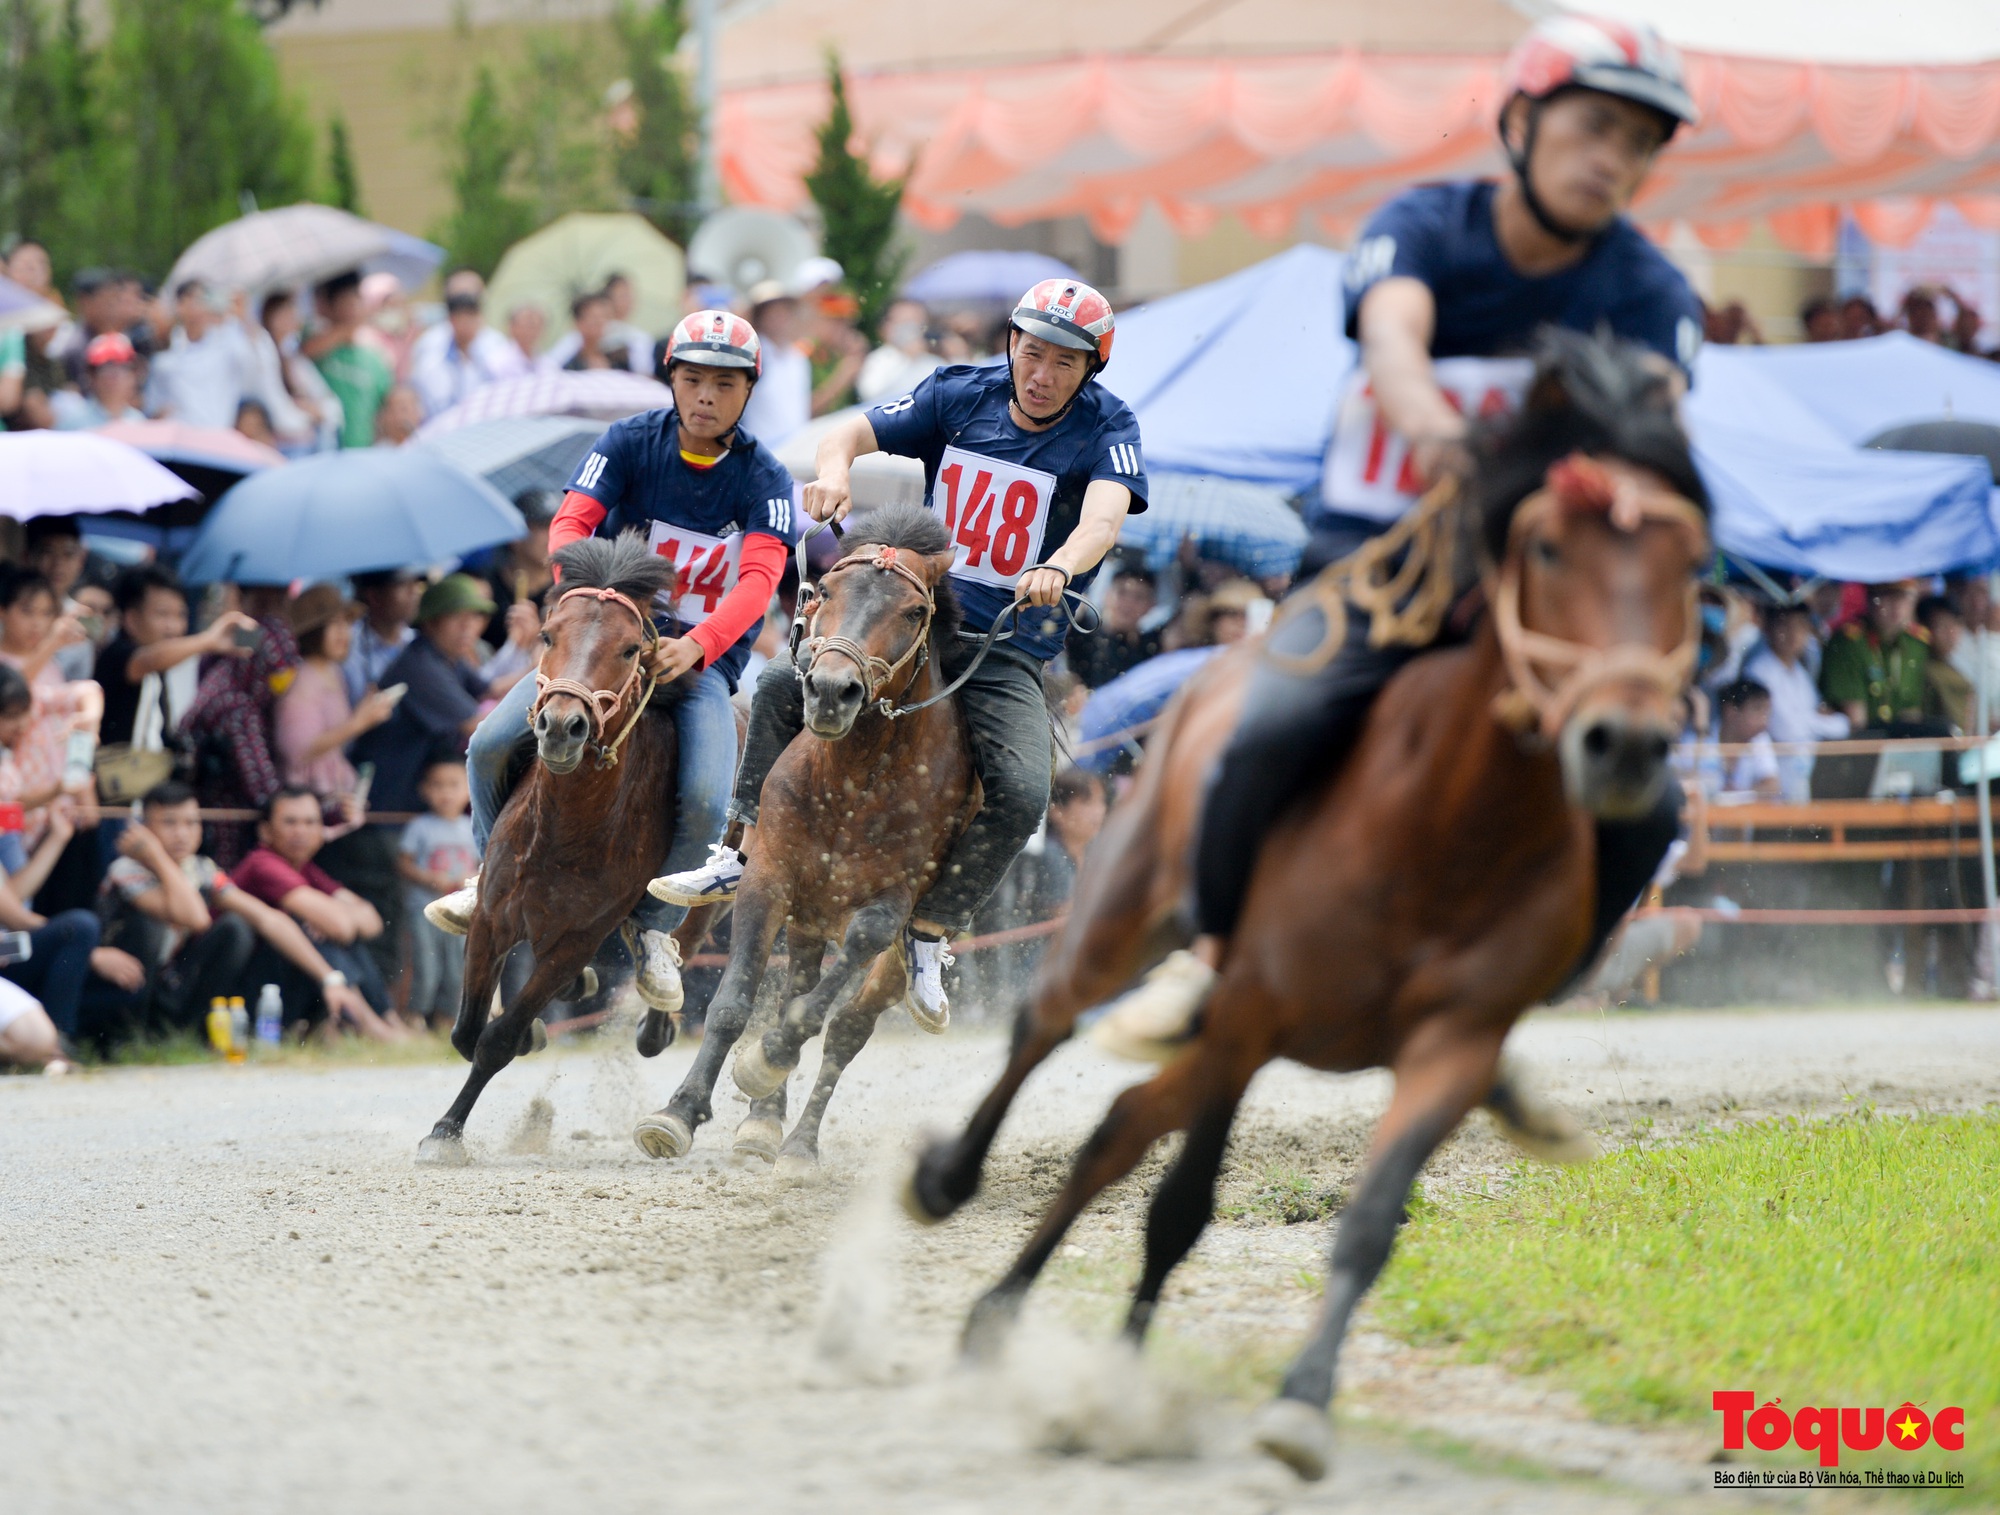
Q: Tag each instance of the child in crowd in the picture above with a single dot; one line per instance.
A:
(436, 856)
(1744, 719)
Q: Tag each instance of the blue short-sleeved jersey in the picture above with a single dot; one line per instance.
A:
(1010, 497)
(637, 474)
(1442, 235)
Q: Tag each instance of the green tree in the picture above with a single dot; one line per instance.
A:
(343, 184)
(487, 217)
(857, 210)
(552, 100)
(658, 156)
(49, 132)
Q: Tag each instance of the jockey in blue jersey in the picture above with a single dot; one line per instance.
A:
(1033, 469)
(712, 498)
(1446, 287)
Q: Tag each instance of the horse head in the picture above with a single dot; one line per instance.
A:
(1597, 523)
(591, 682)
(876, 617)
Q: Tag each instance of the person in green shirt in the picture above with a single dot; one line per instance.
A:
(359, 376)
(1875, 666)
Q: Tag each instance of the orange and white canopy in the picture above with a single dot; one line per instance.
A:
(1125, 115)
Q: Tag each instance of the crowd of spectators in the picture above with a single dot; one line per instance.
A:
(1931, 313)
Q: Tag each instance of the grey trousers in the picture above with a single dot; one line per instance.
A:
(1008, 720)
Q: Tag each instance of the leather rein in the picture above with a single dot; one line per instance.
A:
(1548, 676)
(603, 704)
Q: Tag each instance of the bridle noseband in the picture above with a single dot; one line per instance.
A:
(603, 704)
(876, 673)
(1549, 676)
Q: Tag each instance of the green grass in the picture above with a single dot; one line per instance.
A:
(1850, 1262)
(185, 1048)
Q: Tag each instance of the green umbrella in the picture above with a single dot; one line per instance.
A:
(577, 254)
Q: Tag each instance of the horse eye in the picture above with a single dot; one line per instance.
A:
(632, 651)
(913, 615)
(1547, 554)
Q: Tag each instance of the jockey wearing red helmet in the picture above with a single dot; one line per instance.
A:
(1446, 288)
(1032, 468)
(715, 501)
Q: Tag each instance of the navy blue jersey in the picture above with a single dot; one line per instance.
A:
(1442, 235)
(696, 516)
(1009, 497)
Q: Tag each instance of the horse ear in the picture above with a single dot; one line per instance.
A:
(936, 566)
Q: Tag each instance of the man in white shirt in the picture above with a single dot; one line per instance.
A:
(208, 368)
(781, 403)
(903, 360)
(471, 356)
(1797, 712)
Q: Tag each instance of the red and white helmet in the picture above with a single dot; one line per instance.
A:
(716, 339)
(1612, 57)
(1068, 313)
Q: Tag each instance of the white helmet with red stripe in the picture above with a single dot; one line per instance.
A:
(1631, 61)
(716, 339)
(1069, 313)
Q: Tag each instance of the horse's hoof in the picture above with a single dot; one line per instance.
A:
(1297, 1434)
(663, 1135)
(657, 1031)
(534, 1038)
(758, 1137)
(436, 1151)
(988, 1327)
(1535, 1123)
(795, 1168)
(755, 1074)
(582, 987)
(924, 1199)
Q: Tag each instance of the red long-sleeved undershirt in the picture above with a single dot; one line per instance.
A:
(757, 575)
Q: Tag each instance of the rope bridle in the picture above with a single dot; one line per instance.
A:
(603, 704)
(877, 673)
(1548, 677)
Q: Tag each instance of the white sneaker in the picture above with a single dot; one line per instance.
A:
(1153, 1021)
(712, 883)
(924, 964)
(658, 956)
(453, 912)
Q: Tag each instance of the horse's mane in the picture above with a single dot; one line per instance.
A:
(1591, 394)
(624, 563)
(914, 529)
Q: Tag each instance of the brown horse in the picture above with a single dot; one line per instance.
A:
(608, 756)
(1444, 880)
(855, 820)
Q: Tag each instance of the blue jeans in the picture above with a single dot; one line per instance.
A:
(503, 746)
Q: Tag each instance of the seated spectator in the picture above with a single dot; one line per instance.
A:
(110, 386)
(1744, 719)
(472, 356)
(1948, 693)
(153, 661)
(28, 1038)
(903, 360)
(30, 635)
(1118, 645)
(389, 597)
(1873, 671)
(434, 857)
(90, 992)
(1798, 715)
(314, 722)
(446, 698)
(53, 547)
(208, 365)
(400, 416)
(232, 722)
(281, 873)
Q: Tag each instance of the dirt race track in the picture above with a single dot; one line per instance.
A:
(233, 1290)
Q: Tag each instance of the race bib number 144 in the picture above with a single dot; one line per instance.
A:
(707, 567)
(996, 513)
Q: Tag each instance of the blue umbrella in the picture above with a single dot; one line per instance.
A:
(1252, 527)
(348, 512)
(984, 276)
(1113, 717)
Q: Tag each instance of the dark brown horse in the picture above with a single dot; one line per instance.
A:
(582, 832)
(1443, 881)
(854, 822)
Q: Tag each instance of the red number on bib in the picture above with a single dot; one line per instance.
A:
(1017, 513)
(951, 476)
(710, 578)
(973, 526)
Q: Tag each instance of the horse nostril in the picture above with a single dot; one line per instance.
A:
(573, 728)
(1597, 739)
(1658, 747)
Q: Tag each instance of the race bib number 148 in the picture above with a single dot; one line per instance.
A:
(996, 513)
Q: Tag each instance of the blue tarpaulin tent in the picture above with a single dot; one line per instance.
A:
(1237, 379)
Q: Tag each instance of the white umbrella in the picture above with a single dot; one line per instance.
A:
(298, 244)
(59, 473)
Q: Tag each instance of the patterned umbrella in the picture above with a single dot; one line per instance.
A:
(517, 454)
(59, 473)
(301, 244)
(1251, 526)
(601, 394)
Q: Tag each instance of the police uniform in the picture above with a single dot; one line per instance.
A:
(1888, 682)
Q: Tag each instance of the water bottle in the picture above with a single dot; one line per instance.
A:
(270, 1015)
(239, 1029)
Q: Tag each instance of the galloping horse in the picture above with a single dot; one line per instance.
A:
(1443, 881)
(855, 820)
(582, 832)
